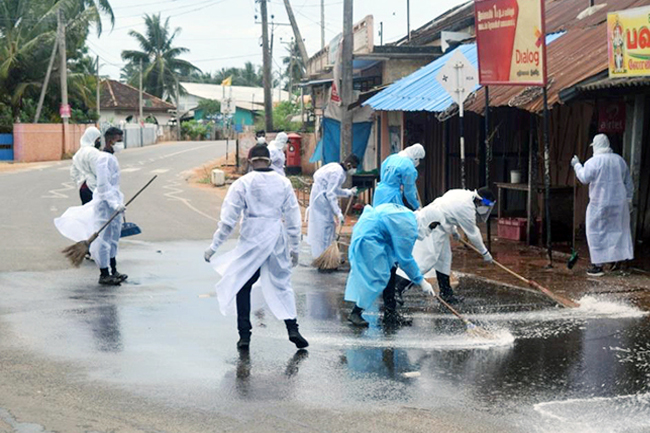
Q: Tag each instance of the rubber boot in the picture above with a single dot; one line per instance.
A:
(244, 341)
(356, 319)
(107, 280)
(120, 277)
(244, 327)
(446, 292)
(393, 318)
(294, 335)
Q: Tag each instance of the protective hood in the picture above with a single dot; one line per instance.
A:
(601, 144)
(426, 216)
(90, 136)
(483, 207)
(415, 153)
(280, 141)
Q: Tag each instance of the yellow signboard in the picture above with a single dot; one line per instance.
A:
(628, 42)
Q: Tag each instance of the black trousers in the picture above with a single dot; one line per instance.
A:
(244, 325)
(389, 292)
(85, 193)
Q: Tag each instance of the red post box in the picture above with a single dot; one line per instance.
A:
(294, 160)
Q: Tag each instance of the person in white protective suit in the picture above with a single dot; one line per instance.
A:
(79, 222)
(82, 170)
(276, 148)
(267, 249)
(610, 203)
(324, 203)
(382, 239)
(460, 208)
(397, 178)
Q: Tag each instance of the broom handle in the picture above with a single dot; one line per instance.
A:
(347, 209)
(454, 312)
(565, 302)
(116, 213)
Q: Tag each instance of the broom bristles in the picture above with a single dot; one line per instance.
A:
(476, 332)
(76, 253)
(330, 259)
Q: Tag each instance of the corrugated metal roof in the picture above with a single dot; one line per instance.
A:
(608, 83)
(421, 91)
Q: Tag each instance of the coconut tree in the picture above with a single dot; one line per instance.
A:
(160, 63)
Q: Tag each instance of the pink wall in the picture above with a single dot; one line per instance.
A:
(44, 141)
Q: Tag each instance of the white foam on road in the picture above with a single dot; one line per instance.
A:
(502, 338)
(628, 413)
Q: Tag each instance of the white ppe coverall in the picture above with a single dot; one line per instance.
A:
(269, 233)
(383, 236)
(397, 176)
(84, 161)
(434, 252)
(80, 222)
(276, 149)
(608, 213)
(324, 206)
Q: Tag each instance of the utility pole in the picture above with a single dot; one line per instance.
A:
(381, 33)
(346, 81)
(408, 20)
(296, 33)
(64, 67)
(178, 110)
(268, 102)
(322, 24)
(39, 108)
(140, 96)
(99, 83)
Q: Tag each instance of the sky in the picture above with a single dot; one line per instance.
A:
(224, 33)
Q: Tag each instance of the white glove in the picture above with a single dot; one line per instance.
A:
(427, 288)
(294, 259)
(354, 190)
(575, 160)
(120, 208)
(487, 257)
(341, 219)
(207, 255)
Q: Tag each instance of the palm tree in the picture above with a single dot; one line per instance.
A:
(294, 65)
(161, 65)
(250, 76)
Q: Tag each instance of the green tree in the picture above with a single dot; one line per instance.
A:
(294, 66)
(210, 107)
(161, 66)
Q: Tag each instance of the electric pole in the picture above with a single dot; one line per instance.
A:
(99, 83)
(39, 108)
(64, 68)
(408, 20)
(140, 95)
(296, 33)
(346, 81)
(268, 102)
(322, 24)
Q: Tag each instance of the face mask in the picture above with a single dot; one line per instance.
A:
(352, 171)
(118, 147)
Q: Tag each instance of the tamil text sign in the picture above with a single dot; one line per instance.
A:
(628, 41)
(510, 38)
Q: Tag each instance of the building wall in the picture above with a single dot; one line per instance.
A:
(393, 70)
(115, 117)
(45, 141)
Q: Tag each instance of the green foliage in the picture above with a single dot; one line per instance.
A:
(161, 67)
(248, 76)
(210, 107)
(194, 130)
(282, 114)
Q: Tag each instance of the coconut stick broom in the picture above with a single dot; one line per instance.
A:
(76, 252)
(331, 257)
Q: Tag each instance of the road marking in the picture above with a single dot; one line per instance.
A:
(64, 168)
(159, 171)
(53, 209)
(130, 170)
(57, 193)
(174, 190)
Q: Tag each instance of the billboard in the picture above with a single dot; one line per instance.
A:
(510, 37)
(628, 42)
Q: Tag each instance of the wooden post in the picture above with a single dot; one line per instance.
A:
(266, 68)
(346, 81)
(547, 182)
(634, 161)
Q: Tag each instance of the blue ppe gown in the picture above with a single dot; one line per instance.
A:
(383, 236)
(397, 172)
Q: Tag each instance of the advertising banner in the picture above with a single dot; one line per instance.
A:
(510, 37)
(628, 42)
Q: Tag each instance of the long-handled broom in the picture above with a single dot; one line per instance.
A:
(472, 329)
(76, 253)
(331, 257)
(574, 253)
(561, 300)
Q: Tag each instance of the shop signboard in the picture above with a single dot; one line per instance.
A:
(628, 42)
(510, 37)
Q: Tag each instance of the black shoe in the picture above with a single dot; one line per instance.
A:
(595, 271)
(244, 342)
(108, 280)
(393, 318)
(297, 339)
(356, 319)
(120, 277)
(451, 299)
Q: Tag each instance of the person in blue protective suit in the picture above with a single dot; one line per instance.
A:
(397, 178)
(383, 238)
(610, 203)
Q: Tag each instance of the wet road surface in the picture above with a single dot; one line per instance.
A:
(158, 351)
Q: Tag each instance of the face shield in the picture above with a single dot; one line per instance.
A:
(484, 208)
